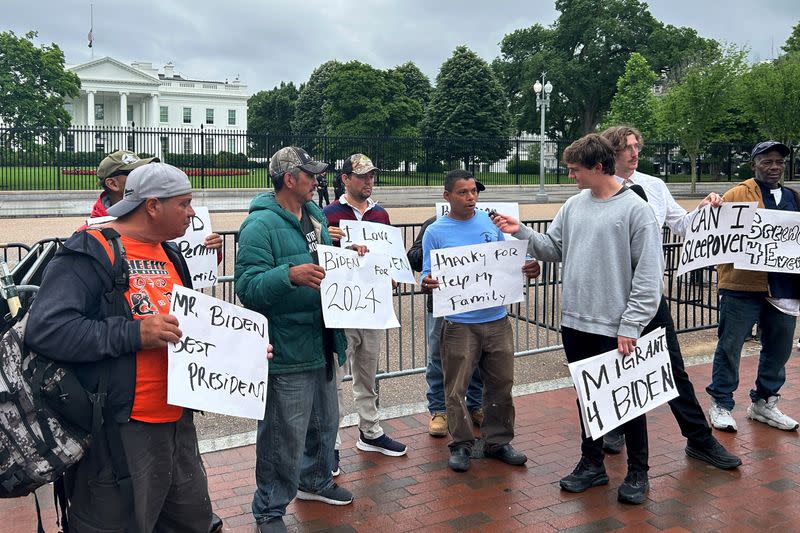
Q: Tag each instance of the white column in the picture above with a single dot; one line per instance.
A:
(90, 108)
(123, 108)
(154, 111)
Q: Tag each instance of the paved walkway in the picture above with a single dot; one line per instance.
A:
(419, 492)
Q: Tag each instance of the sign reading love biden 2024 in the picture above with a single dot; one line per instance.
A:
(716, 235)
(357, 290)
(478, 276)
(613, 389)
(201, 261)
(220, 363)
(382, 239)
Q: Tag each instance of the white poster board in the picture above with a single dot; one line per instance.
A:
(478, 276)
(613, 389)
(201, 261)
(356, 291)
(773, 244)
(220, 363)
(503, 208)
(381, 239)
(716, 235)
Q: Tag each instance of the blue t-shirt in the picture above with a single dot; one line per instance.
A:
(448, 233)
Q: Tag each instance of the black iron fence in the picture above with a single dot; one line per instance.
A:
(66, 160)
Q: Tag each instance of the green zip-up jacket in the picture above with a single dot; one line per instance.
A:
(271, 241)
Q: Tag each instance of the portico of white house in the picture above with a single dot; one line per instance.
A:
(115, 108)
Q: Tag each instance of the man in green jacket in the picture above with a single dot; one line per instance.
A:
(277, 275)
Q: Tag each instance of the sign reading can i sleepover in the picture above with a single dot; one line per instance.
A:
(220, 363)
(613, 389)
(382, 239)
(716, 235)
(478, 276)
(773, 244)
(201, 261)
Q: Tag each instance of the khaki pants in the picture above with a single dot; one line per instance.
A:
(363, 350)
(488, 346)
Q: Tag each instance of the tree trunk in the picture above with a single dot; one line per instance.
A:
(693, 156)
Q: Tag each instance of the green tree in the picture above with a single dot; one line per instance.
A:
(33, 85)
(704, 103)
(308, 108)
(418, 86)
(792, 44)
(468, 103)
(771, 95)
(271, 112)
(634, 102)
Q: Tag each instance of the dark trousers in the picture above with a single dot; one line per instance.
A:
(323, 193)
(579, 345)
(685, 408)
(170, 489)
(490, 347)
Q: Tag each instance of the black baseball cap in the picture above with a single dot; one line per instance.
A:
(767, 146)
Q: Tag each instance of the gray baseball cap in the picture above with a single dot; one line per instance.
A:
(291, 157)
(767, 146)
(155, 180)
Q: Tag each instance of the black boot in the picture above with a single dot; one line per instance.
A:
(634, 488)
(585, 476)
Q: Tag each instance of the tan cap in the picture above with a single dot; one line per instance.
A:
(358, 164)
(118, 162)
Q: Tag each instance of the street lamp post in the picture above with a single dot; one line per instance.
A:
(543, 104)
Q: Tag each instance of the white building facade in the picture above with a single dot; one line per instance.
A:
(140, 98)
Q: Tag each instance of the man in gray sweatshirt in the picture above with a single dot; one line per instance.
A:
(610, 244)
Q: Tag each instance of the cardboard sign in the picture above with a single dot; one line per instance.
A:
(382, 239)
(478, 276)
(220, 363)
(773, 244)
(356, 291)
(613, 389)
(716, 235)
(201, 261)
(504, 208)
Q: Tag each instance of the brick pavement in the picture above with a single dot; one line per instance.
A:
(419, 492)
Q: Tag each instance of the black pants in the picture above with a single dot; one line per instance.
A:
(323, 193)
(579, 345)
(685, 408)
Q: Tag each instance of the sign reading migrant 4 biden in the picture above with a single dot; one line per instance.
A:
(478, 276)
(773, 244)
(382, 239)
(613, 389)
(357, 290)
(220, 363)
(716, 235)
(201, 261)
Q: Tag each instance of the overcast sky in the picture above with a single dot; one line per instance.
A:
(266, 42)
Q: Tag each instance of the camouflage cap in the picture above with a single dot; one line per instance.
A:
(358, 164)
(119, 162)
(291, 157)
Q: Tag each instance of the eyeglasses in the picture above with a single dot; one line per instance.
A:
(770, 162)
(633, 147)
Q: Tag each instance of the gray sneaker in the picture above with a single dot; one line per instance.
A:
(333, 495)
(721, 418)
(767, 411)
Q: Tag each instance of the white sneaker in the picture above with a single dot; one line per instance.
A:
(721, 418)
(766, 411)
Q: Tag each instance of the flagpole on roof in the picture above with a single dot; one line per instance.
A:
(91, 28)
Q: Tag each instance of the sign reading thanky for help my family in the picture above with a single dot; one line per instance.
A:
(220, 363)
(477, 276)
(201, 261)
(716, 235)
(613, 389)
(773, 244)
(357, 290)
(382, 239)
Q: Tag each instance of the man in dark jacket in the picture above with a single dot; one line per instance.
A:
(322, 189)
(277, 275)
(73, 321)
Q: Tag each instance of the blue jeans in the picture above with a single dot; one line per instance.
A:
(737, 314)
(435, 377)
(294, 442)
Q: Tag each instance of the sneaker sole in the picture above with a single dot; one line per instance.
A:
(700, 456)
(335, 473)
(726, 429)
(596, 482)
(364, 447)
(769, 421)
(311, 497)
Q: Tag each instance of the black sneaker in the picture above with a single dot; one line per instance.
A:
(272, 525)
(634, 489)
(459, 459)
(507, 454)
(335, 472)
(333, 495)
(216, 524)
(714, 454)
(585, 476)
(613, 442)
(382, 444)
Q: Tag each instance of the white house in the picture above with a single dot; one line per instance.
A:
(117, 95)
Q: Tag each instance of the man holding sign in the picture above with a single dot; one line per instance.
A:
(608, 307)
(480, 338)
(771, 298)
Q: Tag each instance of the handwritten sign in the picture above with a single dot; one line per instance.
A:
(613, 389)
(201, 261)
(478, 276)
(382, 239)
(773, 244)
(504, 208)
(716, 235)
(220, 363)
(356, 291)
